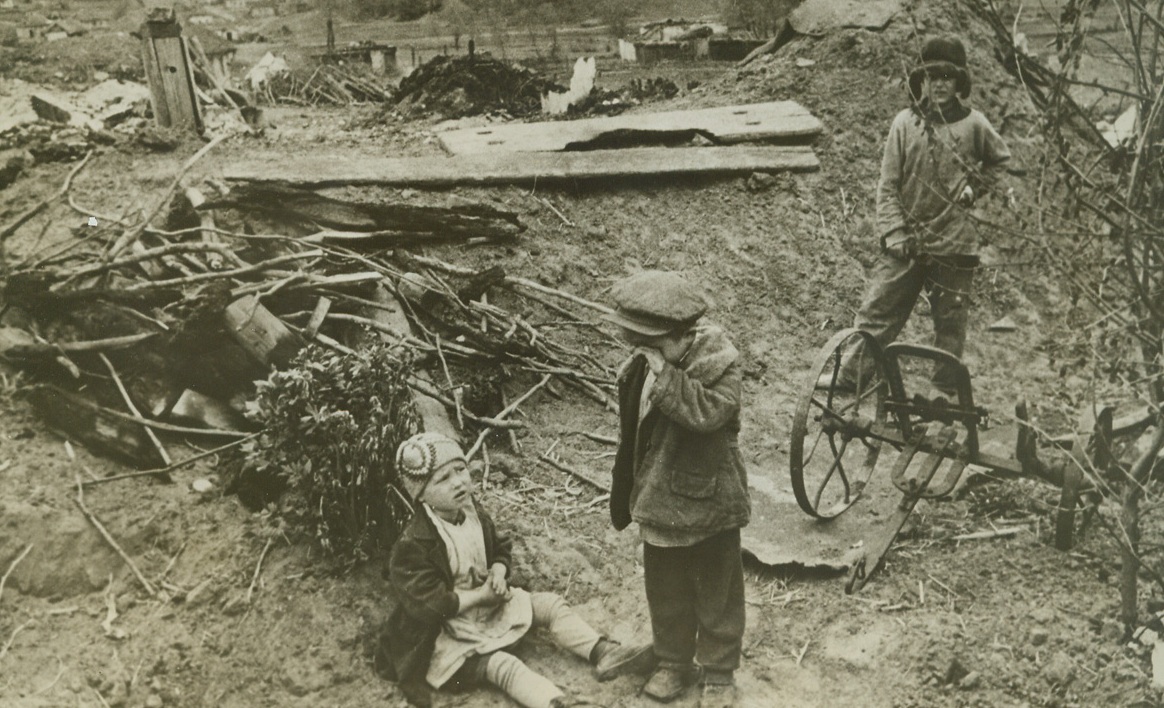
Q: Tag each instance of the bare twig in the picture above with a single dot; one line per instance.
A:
(258, 570)
(203, 277)
(505, 414)
(559, 214)
(165, 456)
(550, 459)
(604, 439)
(803, 650)
(12, 637)
(93, 345)
(513, 281)
(150, 254)
(980, 535)
(79, 500)
(43, 204)
(126, 240)
(170, 468)
(457, 394)
(427, 389)
(12, 567)
(173, 560)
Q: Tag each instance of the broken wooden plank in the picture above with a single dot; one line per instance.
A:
(326, 168)
(260, 332)
(193, 407)
(724, 125)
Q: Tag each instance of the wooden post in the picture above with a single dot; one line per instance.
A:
(168, 70)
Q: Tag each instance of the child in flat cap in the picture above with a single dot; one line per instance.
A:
(457, 613)
(679, 474)
(940, 158)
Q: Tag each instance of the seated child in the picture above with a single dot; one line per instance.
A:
(457, 612)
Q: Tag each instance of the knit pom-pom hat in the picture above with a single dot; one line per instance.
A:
(419, 457)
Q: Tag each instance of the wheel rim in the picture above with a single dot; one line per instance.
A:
(830, 466)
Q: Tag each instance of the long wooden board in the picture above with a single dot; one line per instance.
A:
(728, 124)
(331, 168)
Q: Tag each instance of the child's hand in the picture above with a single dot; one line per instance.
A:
(966, 198)
(496, 580)
(654, 358)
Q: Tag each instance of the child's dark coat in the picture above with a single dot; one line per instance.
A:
(422, 581)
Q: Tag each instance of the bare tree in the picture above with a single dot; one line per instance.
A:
(1099, 215)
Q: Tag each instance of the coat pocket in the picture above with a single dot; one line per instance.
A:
(694, 485)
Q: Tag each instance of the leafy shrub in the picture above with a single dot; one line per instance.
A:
(332, 423)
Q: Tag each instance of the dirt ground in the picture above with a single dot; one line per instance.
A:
(1000, 622)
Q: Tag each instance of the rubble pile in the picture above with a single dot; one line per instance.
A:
(38, 124)
(160, 327)
(633, 93)
(467, 85)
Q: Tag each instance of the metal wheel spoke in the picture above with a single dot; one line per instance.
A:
(826, 409)
(839, 411)
(812, 452)
(837, 466)
(841, 465)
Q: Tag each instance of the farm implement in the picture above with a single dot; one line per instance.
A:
(842, 428)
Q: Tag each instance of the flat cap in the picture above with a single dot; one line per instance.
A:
(655, 302)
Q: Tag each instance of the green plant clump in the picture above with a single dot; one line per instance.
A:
(332, 423)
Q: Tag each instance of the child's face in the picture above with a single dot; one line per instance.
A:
(940, 87)
(637, 339)
(672, 346)
(448, 490)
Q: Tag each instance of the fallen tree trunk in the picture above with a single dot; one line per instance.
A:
(396, 220)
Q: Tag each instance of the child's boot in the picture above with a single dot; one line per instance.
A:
(670, 681)
(612, 659)
(719, 690)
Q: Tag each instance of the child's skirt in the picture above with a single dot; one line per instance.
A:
(478, 631)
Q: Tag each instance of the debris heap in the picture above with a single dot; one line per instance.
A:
(148, 329)
(471, 85)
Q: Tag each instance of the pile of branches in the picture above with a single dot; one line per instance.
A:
(472, 85)
(147, 332)
(328, 84)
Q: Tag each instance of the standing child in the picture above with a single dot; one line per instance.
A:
(457, 612)
(679, 474)
(940, 158)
